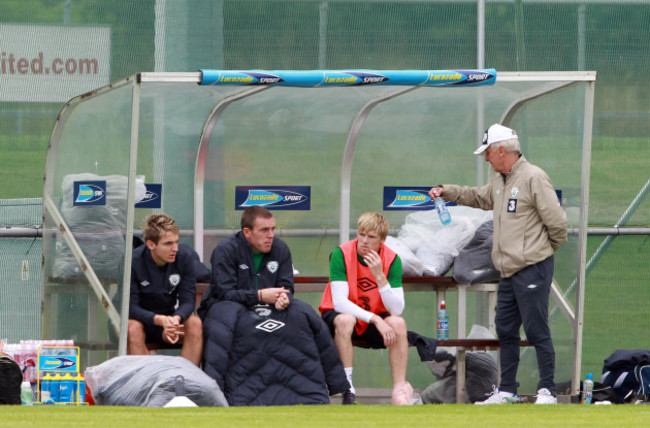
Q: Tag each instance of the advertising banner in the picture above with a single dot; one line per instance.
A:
(294, 198)
(52, 63)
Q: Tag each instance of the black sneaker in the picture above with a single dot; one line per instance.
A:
(349, 398)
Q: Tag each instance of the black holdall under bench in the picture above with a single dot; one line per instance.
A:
(10, 379)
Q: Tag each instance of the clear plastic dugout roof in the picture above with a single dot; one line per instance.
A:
(317, 147)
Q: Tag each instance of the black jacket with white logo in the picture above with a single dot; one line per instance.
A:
(260, 356)
(233, 272)
(156, 289)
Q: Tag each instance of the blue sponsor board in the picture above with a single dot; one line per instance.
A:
(412, 198)
(89, 193)
(325, 78)
(153, 197)
(295, 198)
(49, 363)
(407, 198)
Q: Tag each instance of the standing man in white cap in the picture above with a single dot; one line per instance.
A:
(529, 225)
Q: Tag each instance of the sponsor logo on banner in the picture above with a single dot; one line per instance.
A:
(153, 196)
(89, 193)
(47, 363)
(352, 78)
(369, 78)
(297, 198)
(250, 78)
(407, 198)
(266, 79)
(461, 77)
(340, 78)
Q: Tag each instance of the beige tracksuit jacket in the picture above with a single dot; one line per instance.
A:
(529, 223)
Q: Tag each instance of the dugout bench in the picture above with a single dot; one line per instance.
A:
(316, 284)
(438, 284)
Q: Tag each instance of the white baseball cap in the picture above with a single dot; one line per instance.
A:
(494, 134)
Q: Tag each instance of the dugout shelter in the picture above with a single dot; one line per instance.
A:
(322, 146)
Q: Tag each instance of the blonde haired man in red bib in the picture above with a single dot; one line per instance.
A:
(363, 302)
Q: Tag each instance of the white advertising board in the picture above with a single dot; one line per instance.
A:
(52, 63)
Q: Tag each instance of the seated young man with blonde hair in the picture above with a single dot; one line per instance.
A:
(363, 301)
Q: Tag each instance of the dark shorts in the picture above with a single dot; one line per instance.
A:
(371, 338)
(153, 333)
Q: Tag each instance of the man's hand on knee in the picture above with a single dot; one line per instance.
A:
(386, 331)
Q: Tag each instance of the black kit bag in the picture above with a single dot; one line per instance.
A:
(602, 392)
(10, 379)
(618, 372)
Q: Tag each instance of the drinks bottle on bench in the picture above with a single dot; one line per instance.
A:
(443, 322)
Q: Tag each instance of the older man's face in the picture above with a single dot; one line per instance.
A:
(496, 158)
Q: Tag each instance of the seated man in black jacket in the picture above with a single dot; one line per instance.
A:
(262, 346)
(252, 266)
(163, 292)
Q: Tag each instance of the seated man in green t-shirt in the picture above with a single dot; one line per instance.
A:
(252, 266)
(363, 302)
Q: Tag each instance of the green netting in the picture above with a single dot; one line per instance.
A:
(20, 269)
(609, 37)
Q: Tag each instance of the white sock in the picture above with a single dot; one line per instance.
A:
(348, 374)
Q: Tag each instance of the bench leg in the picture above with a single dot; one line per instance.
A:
(498, 367)
(461, 330)
(461, 393)
(492, 311)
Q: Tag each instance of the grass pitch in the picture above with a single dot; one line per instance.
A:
(455, 415)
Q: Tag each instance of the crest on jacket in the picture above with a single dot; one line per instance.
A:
(514, 192)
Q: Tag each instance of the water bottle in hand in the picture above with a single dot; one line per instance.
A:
(443, 212)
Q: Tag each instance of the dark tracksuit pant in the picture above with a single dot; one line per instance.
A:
(523, 299)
